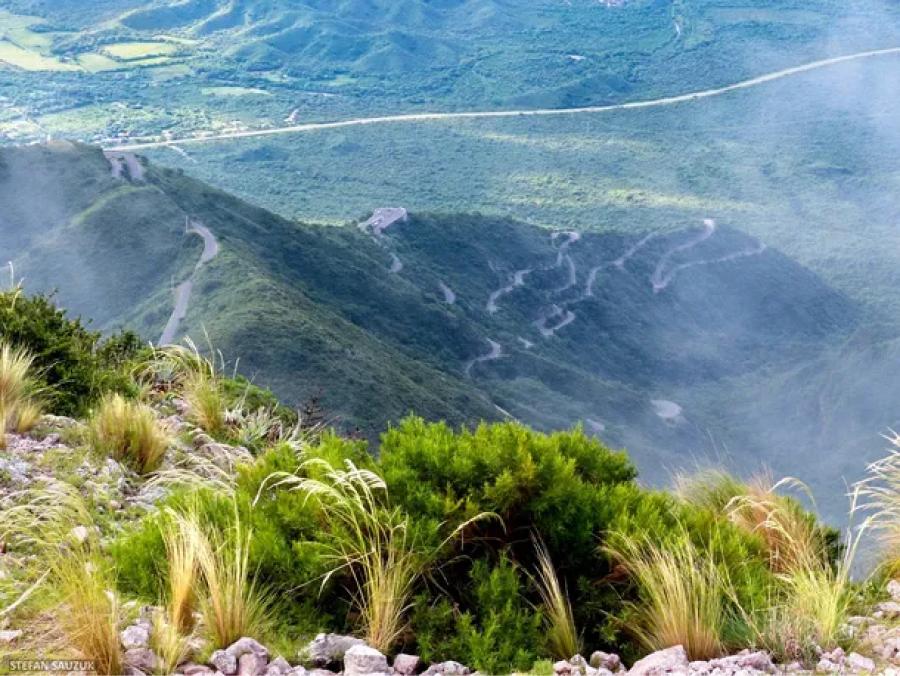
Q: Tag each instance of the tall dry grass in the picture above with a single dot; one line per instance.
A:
(185, 545)
(232, 605)
(810, 600)
(198, 379)
(129, 432)
(371, 541)
(91, 615)
(563, 639)
(790, 536)
(171, 645)
(684, 594)
(879, 495)
(43, 519)
(19, 408)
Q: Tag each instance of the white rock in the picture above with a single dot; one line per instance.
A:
(893, 588)
(858, 663)
(224, 662)
(9, 635)
(672, 660)
(406, 665)
(361, 660)
(135, 636)
(330, 648)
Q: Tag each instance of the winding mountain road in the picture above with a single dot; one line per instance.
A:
(209, 137)
(183, 290)
(495, 352)
(660, 279)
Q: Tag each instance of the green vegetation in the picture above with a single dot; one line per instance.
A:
(70, 365)
(128, 432)
(494, 546)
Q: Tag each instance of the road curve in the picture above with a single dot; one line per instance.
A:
(539, 112)
(183, 290)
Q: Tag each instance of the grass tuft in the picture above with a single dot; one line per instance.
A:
(372, 541)
(19, 409)
(562, 637)
(683, 593)
(129, 432)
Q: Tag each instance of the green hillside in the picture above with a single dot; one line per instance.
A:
(678, 345)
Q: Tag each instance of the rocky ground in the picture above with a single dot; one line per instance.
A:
(51, 451)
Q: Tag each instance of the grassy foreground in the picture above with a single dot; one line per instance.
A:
(498, 547)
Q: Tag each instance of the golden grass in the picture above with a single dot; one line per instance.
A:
(42, 519)
(27, 416)
(18, 407)
(185, 369)
(171, 645)
(90, 614)
(808, 607)
(562, 636)
(789, 534)
(184, 543)
(232, 605)
(683, 594)
(880, 495)
(128, 431)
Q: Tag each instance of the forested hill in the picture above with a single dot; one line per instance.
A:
(670, 342)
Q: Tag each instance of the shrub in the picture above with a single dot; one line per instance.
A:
(129, 432)
(500, 633)
(73, 364)
(566, 488)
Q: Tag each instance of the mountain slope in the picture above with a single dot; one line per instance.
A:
(676, 343)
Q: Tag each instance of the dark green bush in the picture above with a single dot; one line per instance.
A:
(567, 488)
(500, 633)
(74, 365)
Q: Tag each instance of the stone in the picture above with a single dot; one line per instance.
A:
(9, 635)
(890, 648)
(252, 664)
(141, 658)
(361, 660)
(893, 588)
(888, 610)
(579, 664)
(449, 668)
(744, 661)
(672, 660)
(826, 666)
(858, 663)
(247, 645)
(562, 668)
(406, 665)
(135, 636)
(327, 649)
(224, 662)
(602, 660)
(278, 666)
(193, 669)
